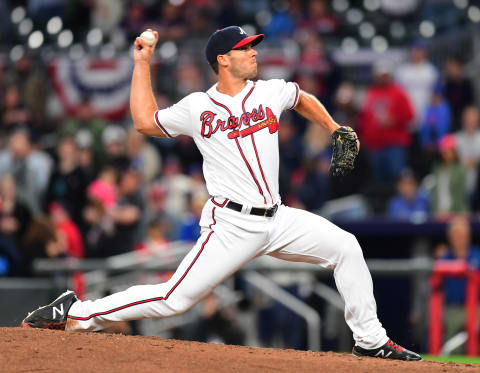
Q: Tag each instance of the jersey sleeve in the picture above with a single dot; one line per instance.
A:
(288, 93)
(175, 120)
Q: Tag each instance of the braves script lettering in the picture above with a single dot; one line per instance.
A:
(233, 123)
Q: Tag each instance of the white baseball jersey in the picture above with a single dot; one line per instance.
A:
(237, 136)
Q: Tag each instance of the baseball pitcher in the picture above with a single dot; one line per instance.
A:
(235, 126)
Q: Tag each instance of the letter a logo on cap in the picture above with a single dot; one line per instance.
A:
(241, 31)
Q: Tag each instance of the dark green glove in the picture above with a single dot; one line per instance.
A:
(345, 151)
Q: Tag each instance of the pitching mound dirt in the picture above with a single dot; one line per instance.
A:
(34, 350)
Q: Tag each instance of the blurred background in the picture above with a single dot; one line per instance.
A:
(89, 203)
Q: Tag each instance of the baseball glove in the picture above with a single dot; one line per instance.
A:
(345, 151)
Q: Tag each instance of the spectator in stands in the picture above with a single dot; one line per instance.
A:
(346, 108)
(384, 121)
(114, 142)
(143, 156)
(13, 111)
(198, 20)
(156, 211)
(15, 217)
(86, 157)
(106, 15)
(86, 119)
(347, 113)
(135, 19)
(318, 18)
(29, 76)
(29, 167)
(127, 215)
(67, 230)
(291, 149)
(282, 22)
(42, 240)
(189, 229)
(155, 240)
(310, 182)
(188, 77)
(458, 89)
(10, 259)
(418, 78)
(468, 144)
(215, 325)
(449, 192)
(171, 25)
(458, 247)
(410, 203)
(99, 225)
(68, 182)
(187, 152)
(178, 186)
(114, 213)
(315, 66)
(104, 188)
(435, 124)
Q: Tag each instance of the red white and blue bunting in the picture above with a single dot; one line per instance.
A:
(106, 83)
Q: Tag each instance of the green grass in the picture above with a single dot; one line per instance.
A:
(454, 358)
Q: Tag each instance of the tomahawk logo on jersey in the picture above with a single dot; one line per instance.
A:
(242, 131)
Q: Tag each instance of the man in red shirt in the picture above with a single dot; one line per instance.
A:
(384, 124)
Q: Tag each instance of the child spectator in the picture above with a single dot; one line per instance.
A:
(410, 203)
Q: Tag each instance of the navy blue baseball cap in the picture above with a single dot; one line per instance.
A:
(228, 38)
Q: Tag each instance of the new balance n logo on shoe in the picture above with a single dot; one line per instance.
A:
(59, 310)
(389, 350)
(53, 315)
(381, 353)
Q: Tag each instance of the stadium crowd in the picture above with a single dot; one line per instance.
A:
(74, 182)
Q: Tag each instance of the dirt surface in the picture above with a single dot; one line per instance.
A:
(36, 350)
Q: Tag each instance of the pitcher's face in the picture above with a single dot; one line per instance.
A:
(243, 62)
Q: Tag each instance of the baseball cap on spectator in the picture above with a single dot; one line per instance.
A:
(113, 134)
(103, 192)
(84, 139)
(383, 66)
(228, 38)
(419, 44)
(447, 142)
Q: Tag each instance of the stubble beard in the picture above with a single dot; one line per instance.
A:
(253, 73)
(245, 74)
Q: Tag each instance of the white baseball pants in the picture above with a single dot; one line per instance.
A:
(230, 239)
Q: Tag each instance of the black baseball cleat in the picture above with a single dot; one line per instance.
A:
(389, 350)
(53, 315)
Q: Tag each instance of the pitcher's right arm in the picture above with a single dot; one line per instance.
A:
(142, 101)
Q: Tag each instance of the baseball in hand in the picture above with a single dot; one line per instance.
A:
(148, 37)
